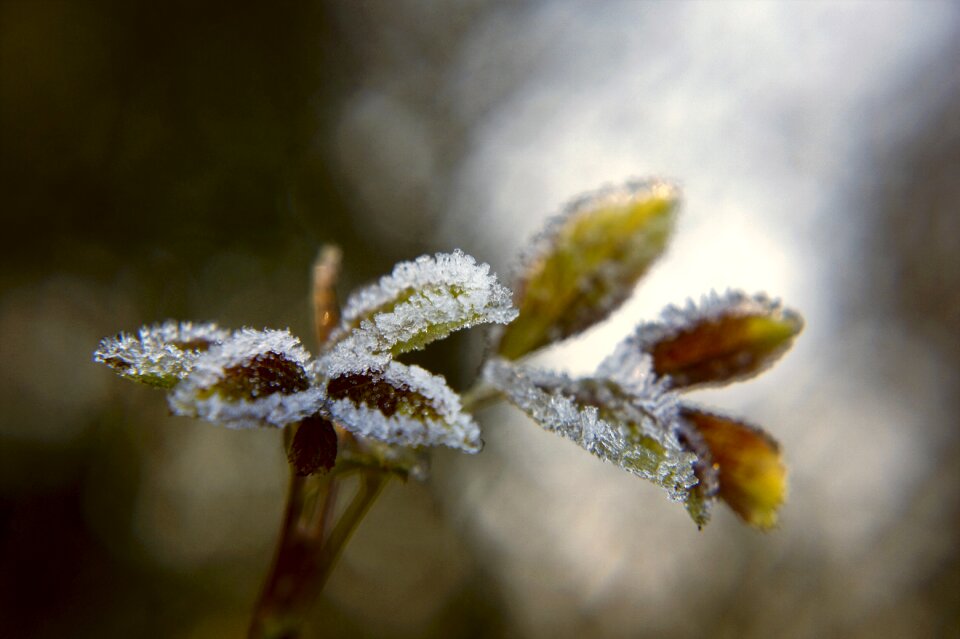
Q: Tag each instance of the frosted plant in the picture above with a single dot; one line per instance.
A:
(356, 409)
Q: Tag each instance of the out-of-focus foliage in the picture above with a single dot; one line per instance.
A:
(750, 472)
(586, 262)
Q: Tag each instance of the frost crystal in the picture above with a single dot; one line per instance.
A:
(422, 301)
(634, 432)
(723, 338)
(402, 405)
(159, 355)
(254, 378)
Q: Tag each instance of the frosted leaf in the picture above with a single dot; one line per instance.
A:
(633, 371)
(586, 262)
(422, 301)
(358, 352)
(254, 378)
(401, 405)
(724, 338)
(159, 355)
(637, 433)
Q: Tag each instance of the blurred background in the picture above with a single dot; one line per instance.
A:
(186, 160)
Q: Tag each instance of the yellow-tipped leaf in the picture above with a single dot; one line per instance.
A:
(587, 262)
(752, 477)
(723, 339)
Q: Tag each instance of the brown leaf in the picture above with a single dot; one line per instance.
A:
(263, 374)
(721, 340)
(751, 474)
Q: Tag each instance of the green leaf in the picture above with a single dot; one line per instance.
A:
(635, 433)
(587, 262)
(419, 302)
(159, 355)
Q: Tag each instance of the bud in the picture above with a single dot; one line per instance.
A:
(751, 476)
(587, 262)
(314, 446)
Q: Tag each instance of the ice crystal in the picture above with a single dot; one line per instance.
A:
(637, 433)
(159, 355)
(422, 301)
(724, 338)
(401, 405)
(254, 378)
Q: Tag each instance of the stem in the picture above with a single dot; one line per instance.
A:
(305, 554)
(288, 588)
(481, 395)
(371, 485)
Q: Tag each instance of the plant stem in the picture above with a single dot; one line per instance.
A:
(287, 590)
(371, 485)
(479, 396)
(305, 554)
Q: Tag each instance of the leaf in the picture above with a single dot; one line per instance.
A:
(751, 475)
(721, 340)
(587, 261)
(420, 302)
(314, 446)
(254, 378)
(159, 355)
(401, 405)
(635, 433)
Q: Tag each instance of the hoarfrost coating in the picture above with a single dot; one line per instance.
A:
(425, 411)
(422, 301)
(254, 378)
(160, 354)
(633, 437)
